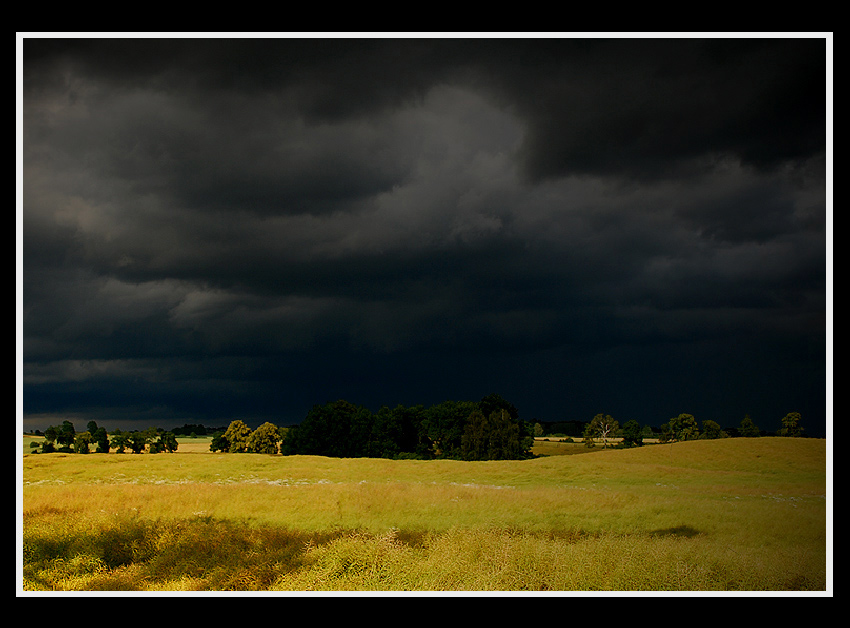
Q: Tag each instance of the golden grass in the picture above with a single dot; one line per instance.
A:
(736, 514)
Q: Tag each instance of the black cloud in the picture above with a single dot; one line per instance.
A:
(221, 228)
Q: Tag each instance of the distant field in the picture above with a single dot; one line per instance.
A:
(187, 445)
(551, 446)
(731, 514)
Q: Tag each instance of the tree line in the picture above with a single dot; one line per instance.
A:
(64, 438)
(679, 428)
(488, 429)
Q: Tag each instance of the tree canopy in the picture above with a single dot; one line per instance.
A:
(451, 429)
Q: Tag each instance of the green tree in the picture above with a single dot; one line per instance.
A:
(684, 427)
(493, 402)
(396, 433)
(474, 441)
(99, 436)
(632, 434)
(65, 435)
(137, 440)
(748, 428)
(82, 440)
(119, 441)
(50, 435)
(444, 424)
(264, 439)
(219, 443)
(494, 437)
(791, 425)
(602, 426)
(237, 436)
(339, 429)
(166, 442)
(711, 430)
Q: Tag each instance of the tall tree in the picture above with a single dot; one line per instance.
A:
(791, 425)
(444, 425)
(166, 441)
(632, 434)
(493, 402)
(684, 427)
(338, 429)
(237, 436)
(219, 443)
(495, 437)
(264, 439)
(748, 428)
(119, 441)
(65, 435)
(602, 426)
(50, 436)
(711, 430)
(82, 440)
(137, 440)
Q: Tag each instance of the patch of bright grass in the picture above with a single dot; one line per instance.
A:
(737, 514)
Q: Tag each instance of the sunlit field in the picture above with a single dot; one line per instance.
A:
(722, 515)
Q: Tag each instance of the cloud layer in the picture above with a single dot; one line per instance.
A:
(218, 229)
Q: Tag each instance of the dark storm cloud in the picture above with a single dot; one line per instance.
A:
(220, 228)
(648, 108)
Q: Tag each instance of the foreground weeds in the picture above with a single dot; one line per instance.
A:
(128, 553)
(732, 515)
(197, 555)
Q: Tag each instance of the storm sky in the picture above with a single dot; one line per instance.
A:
(224, 228)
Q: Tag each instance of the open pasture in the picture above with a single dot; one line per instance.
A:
(732, 514)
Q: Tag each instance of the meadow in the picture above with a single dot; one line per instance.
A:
(707, 515)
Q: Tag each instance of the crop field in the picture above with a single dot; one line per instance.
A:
(708, 515)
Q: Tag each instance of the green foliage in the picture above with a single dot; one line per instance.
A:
(190, 429)
(137, 440)
(264, 439)
(219, 443)
(101, 437)
(711, 429)
(339, 429)
(166, 442)
(237, 436)
(119, 441)
(452, 429)
(492, 403)
(396, 433)
(82, 440)
(683, 427)
(444, 425)
(589, 437)
(791, 425)
(494, 437)
(51, 434)
(748, 428)
(632, 434)
(64, 435)
(602, 426)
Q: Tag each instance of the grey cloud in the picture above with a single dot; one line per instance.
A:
(257, 225)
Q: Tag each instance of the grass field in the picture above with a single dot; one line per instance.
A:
(724, 515)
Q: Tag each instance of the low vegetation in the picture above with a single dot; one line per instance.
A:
(732, 514)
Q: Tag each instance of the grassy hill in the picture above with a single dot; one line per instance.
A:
(732, 514)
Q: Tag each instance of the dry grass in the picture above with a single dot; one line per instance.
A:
(737, 514)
